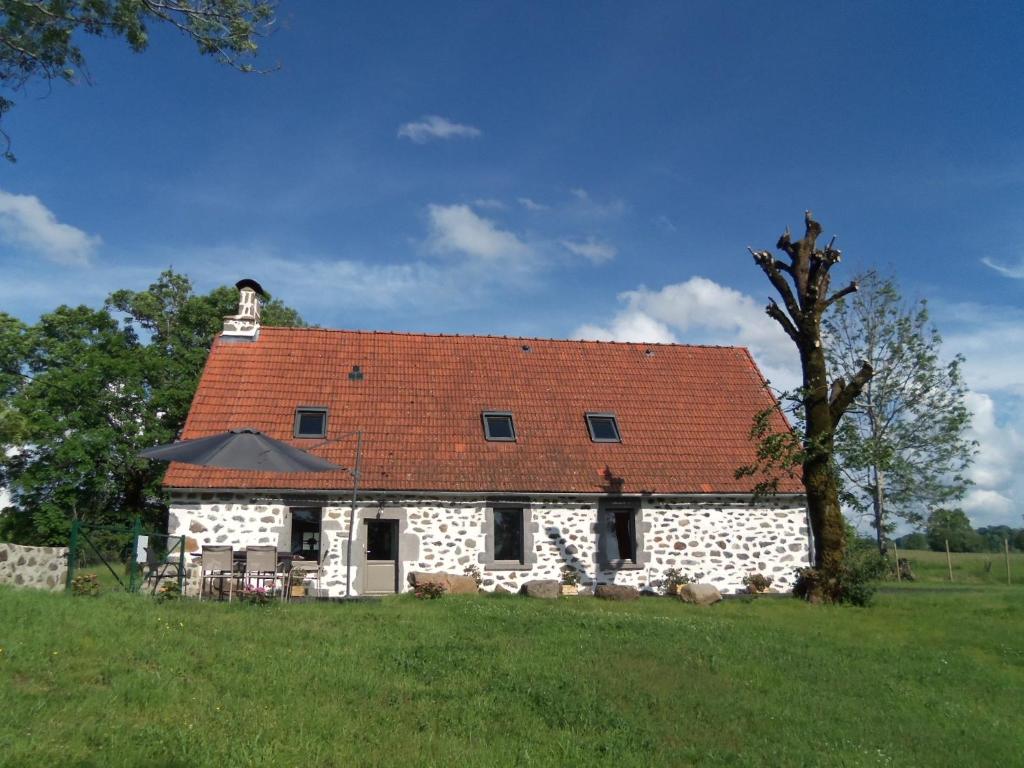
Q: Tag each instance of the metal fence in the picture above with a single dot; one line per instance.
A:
(137, 560)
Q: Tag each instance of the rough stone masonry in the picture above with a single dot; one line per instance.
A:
(36, 567)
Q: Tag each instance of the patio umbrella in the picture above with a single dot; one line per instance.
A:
(244, 448)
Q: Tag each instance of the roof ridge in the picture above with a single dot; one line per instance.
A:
(425, 334)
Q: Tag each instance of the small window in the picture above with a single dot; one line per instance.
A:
(508, 535)
(603, 428)
(310, 422)
(306, 533)
(618, 543)
(498, 426)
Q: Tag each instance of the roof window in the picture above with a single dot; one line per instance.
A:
(498, 426)
(311, 422)
(603, 428)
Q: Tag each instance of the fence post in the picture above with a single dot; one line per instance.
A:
(949, 562)
(72, 553)
(896, 551)
(1006, 545)
(181, 565)
(133, 563)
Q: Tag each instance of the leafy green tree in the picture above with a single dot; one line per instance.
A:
(95, 392)
(954, 526)
(39, 39)
(85, 417)
(180, 326)
(13, 346)
(901, 447)
(803, 283)
(914, 540)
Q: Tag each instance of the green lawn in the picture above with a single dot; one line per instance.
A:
(923, 679)
(968, 567)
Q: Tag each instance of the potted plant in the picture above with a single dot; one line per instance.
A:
(570, 580)
(673, 580)
(757, 583)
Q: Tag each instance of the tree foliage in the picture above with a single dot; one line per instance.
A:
(39, 39)
(803, 282)
(954, 526)
(901, 447)
(90, 391)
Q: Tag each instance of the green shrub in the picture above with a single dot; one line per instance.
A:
(474, 573)
(430, 590)
(255, 595)
(570, 576)
(757, 582)
(168, 591)
(85, 585)
(854, 584)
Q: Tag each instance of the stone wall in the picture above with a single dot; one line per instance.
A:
(719, 542)
(37, 567)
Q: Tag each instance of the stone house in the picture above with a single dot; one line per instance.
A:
(517, 456)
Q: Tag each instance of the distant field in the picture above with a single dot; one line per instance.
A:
(923, 679)
(968, 567)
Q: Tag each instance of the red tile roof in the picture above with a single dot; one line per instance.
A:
(684, 412)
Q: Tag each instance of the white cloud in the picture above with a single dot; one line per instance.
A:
(586, 205)
(430, 127)
(996, 471)
(597, 251)
(701, 311)
(489, 204)
(459, 229)
(664, 222)
(1016, 272)
(983, 334)
(26, 222)
(532, 205)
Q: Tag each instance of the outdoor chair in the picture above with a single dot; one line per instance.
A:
(302, 570)
(261, 567)
(217, 564)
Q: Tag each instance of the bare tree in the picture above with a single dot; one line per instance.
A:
(803, 283)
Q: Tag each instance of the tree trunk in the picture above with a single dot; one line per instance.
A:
(819, 475)
(878, 505)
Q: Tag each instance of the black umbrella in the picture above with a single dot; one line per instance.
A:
(240, 449)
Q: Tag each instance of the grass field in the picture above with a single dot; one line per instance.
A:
(922, 679)
(968, 567)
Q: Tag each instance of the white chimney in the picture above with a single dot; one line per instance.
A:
(246, 324)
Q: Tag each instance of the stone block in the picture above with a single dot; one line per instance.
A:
(616, 592)
(546, 589)
(699, 594)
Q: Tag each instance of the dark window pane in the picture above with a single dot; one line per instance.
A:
(604, 428)
(380, 539)
(311, 423)
(620, 536)
(306, 533)
(499, 427)
(508, 534)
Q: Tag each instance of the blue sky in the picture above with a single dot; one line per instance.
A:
(552, 169)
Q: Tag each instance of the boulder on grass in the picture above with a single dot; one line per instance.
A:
(548, 589)
(616, 592)
(699, 594)
(498, 590)
(452, 583)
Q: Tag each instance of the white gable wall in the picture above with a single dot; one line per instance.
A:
(721, 541)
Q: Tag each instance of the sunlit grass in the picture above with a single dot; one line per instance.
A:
(968, 567)
(921, 679)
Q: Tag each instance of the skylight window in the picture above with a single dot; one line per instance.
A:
(498, 426)
(310, 422)
(603, 428)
